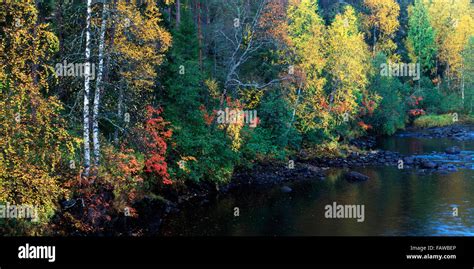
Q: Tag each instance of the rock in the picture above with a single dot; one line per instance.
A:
(356, 176)
(408, 160)
(68, 203)
(448, 168)
(286, 189)
(428, 164)
(453, 150)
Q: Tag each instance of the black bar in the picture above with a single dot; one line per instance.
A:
(240, 250)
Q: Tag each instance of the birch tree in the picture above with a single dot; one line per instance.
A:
(87, 78)
(306, 33)
(99, 86)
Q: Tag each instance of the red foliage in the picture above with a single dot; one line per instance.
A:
(364, 125)
(236, 104)
(416, 112)
(368, 107)
(208, 118)
(155, 140)
(415, 100)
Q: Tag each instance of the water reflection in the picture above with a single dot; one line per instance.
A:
(397, 202)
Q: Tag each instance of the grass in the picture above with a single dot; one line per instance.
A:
(434, 121)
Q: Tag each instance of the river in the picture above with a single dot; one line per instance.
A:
(397, 202)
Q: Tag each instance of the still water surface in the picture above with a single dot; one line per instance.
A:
(396, 202)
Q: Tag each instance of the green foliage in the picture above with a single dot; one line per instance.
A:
(391, 112)
(468, 76)
(421, 37)
(433, 121)
(203, 150)
(436, 100)
(274, 133)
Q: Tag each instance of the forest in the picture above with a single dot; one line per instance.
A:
(110, 109)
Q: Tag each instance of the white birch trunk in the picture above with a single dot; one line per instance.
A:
(99, 88)
(87, 74)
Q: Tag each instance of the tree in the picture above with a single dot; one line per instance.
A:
(240, 40)
(87, 78)
(200, 150)
(421, 37)
(450, 20)
(99, 86)
(382, 22)
(140, 42)
(390, 114)
(455, 47)
(468, 74)
(34, 143)
(348, 64)
(306, 34)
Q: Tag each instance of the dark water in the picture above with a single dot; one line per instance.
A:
(405, 144)
(396, 202)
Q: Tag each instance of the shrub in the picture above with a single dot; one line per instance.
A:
(433, 121)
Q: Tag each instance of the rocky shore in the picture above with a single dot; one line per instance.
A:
(452, 159)
(301, 168)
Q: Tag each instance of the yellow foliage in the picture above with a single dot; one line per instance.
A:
(140, 42)
(33, 137)
(454, 24)
(348, 62)
(384, 18)
(213, 88)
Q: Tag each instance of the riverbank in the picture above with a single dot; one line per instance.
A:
(152, 211)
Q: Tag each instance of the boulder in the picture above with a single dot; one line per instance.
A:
(409, 160)
(356, 176)
(428, 164)
(286, 189)
(453, 150)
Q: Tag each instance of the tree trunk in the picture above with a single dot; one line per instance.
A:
(375, 40)
(199, 32)
(448, 77)
(294, 113)
(462, 85)
(178, 13)
(208, 13)
(87, 73)
(119, 115)
(99, 87)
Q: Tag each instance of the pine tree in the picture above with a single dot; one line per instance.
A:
(202, 151)
(421, 37)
